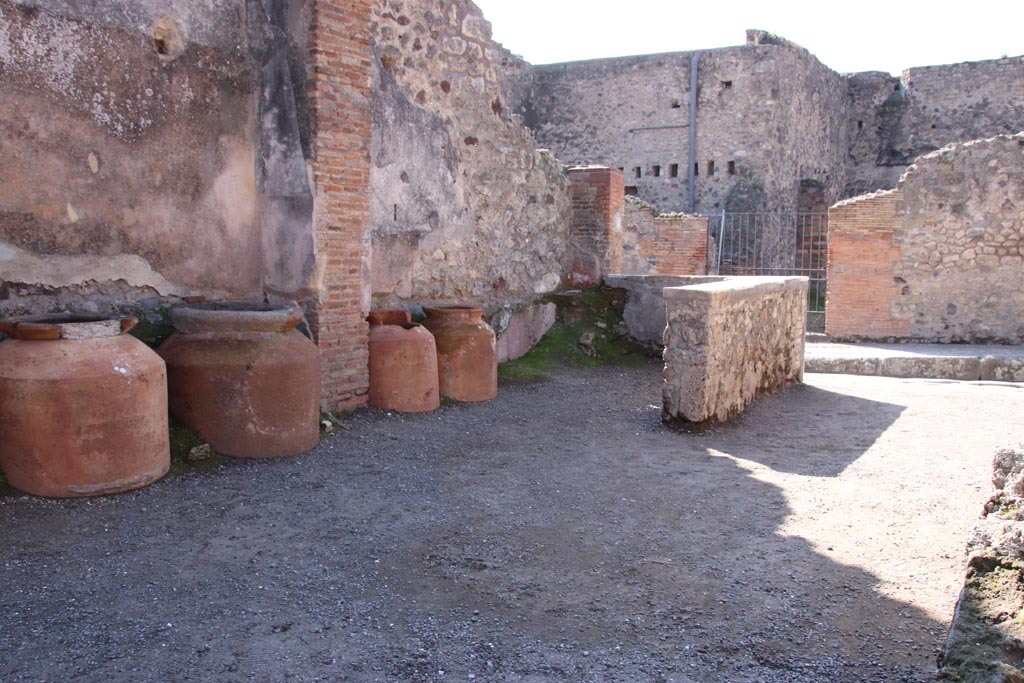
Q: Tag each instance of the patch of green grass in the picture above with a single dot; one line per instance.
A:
(595, 319)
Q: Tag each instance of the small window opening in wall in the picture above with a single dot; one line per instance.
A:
(675, 104)
(860, 125)
(673, 170)
(696, 169)
(637, 172)
(896, 88)
(732, 168)
(631, 190)
(711, 168)
(656, 171)
(726, 84)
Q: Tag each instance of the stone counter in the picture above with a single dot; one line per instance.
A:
(730, 341)
(644, 312)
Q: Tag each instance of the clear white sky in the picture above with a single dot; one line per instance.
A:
(877, 36)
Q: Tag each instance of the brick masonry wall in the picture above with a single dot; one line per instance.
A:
(941, 258)
(663, 244)
(861, 253)
(339, 92)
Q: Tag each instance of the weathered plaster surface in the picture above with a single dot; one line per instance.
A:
(112, 155)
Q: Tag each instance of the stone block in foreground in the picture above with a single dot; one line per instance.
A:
(728, 342)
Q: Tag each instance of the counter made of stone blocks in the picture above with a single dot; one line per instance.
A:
(730, 341)
(644, 312)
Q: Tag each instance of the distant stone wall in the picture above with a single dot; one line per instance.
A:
(730, 341)
(893, 120)
(465, 209)
(662, 244)
(941, 258)
(768, 115)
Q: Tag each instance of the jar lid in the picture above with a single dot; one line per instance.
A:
(49, 327)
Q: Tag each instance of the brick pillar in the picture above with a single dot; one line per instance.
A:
(596, 238)
(339, 93)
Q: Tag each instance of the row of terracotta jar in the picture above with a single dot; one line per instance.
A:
(84, 406)
(453, 354)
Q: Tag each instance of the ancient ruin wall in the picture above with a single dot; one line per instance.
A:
(465, 209)
(633, 113)
(942, 256)
(892, 121)
(152, 151)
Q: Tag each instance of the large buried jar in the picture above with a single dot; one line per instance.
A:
(403, 364)
(83, 407)
(467, 356)
(244, 378)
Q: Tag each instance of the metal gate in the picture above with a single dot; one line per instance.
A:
(773, 244)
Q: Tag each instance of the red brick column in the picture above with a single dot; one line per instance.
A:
(339, 92)
(861, 257)
(596, 239)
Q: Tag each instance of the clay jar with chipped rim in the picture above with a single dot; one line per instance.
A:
(403, 364)
(467, 357)
(83, 407)
(244, 378)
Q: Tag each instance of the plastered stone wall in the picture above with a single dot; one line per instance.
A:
(941, 258)
(99, 179)
(152, 152)
(465, 209)
(768, 115)
(728, 342)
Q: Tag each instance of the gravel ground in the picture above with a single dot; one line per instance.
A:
(558, 533)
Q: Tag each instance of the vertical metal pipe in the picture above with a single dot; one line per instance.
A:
(692, 187)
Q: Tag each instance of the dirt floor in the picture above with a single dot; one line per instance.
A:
(558, 533)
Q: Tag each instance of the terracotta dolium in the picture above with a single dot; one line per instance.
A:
(403, 364)
(244, 378)
(83, 407)
(467, 357)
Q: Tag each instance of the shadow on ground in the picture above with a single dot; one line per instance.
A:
(559, 533)
(805, 430)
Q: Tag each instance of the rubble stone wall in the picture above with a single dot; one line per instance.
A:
(465, 208)
(728, 342)
(892, 120)
(768, 115)
(942, 257)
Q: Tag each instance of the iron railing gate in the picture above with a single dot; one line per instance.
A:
(773, 244)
